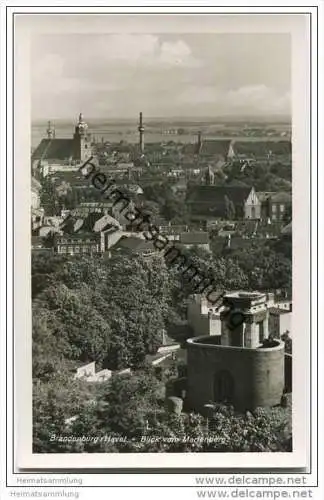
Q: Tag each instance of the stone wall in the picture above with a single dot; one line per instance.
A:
(257, 374)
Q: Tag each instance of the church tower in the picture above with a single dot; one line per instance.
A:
(82, 145)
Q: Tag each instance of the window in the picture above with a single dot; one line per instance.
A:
(274, 217)
(282, 208)
(274, 208)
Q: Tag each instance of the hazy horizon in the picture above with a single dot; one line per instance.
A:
(232, 119)
(192, 76)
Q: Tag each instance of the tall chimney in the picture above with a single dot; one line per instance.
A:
(141, 133)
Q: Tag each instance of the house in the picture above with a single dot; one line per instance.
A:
(279, 321)
(198, 239)
(106, 222)
(207, 201)
(110, 237)
(78, 244)
(133, 245)
(100, 207)
(280, 206)
(172, 231)
(203, 316)
(88, 373)
(276, 206)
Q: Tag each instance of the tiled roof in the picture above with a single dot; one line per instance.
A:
(216, 194)
(287, 229)
(210, 200)
(215, 147)
(104, 222)
(134, 244)
(262, 148)
(264, 195)
(281, 197)
(54, 149)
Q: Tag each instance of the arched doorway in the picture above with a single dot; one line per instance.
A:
(223, 387)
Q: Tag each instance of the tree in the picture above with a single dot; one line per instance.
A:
(130, 401)
(54, 402)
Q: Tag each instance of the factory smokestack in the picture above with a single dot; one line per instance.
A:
(141, 133)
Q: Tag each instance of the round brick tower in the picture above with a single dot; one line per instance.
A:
(241, 366)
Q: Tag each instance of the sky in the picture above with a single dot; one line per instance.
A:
(162, 75)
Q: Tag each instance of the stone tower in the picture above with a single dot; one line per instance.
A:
(82, 143)
(242, 366)
(244, 319)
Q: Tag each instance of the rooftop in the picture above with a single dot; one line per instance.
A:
(262, 148)
(134, 244)
(194, 238)
(281, 197)
(54, 149)
(216, 194)
(278, 310)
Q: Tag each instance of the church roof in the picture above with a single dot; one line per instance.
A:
(209, 147)
(54, 149)
(237, 194)
(210, 200)
(215, 147)
(262, 148)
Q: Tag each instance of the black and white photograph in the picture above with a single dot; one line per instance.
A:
(162, 262)
(161, 243)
